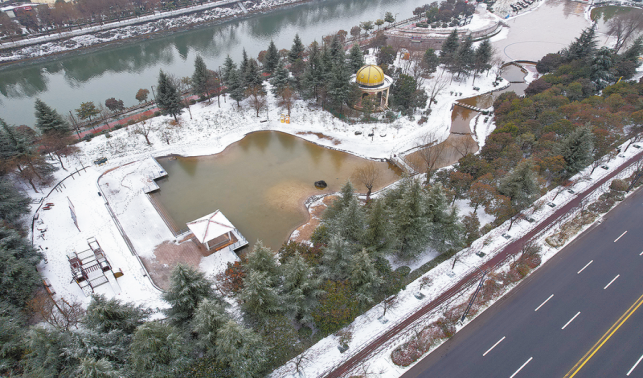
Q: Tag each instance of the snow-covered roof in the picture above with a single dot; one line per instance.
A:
(210, 226)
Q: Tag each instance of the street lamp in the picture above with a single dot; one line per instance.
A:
(473, 298)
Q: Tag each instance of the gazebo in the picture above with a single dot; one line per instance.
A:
(372, 82)
(215, 232)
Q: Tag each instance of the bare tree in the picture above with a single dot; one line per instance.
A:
(432, 153)
(623, 26)
(60, 313)
(638, 173)
(438, 83)
(287, 98)
(465, 146)
(367, 175)
(257, 97)
(390, 303)
(142, 128)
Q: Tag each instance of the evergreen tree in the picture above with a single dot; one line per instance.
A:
(228, 67)
(252, 75)
(520, 185)
(355, 58)
(576, 149)
(339, 86)
(280, 80)
(272, 58)
(200, 77)
(465, 58)
(235, 86)
(48, 121)
(168, 97)
(584, 46)
(12, 345)
(430, 60)
(92, 368)
(336, 258)
(601, 74)
(377, 236)
(157, 350)
(337, 50)
(45, 357)
(244, 62)
(314, 73)
(410, 219)
(241, 349)
(113, 346)
(482, 58)
(106, 315)
(259, 298)
(188, 287)
(262, 259)
(349, 224)
(296, 51)
(346, 196)
(364, 277)
(18, 277)
(210, 316)
(447, 233)
(301, 289)
(449, 49)
(471, 225)
(13, 204)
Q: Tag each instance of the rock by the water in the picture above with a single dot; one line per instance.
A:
(321, 184)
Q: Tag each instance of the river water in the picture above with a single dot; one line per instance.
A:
(119, 71)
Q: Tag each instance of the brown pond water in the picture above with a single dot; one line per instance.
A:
(259, 183)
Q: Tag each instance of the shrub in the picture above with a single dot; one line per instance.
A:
(88, 137)
(157, 113)
(131, 122)
(118, 127)
(619, 185)
(192, 101)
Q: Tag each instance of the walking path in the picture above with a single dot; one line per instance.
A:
(512, 249)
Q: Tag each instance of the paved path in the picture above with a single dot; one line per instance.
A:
(511, 249)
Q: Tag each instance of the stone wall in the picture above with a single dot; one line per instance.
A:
(419, 39)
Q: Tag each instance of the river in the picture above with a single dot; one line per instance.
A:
(119, 71)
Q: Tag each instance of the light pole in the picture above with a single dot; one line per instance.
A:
(153, 94)
(473, 298)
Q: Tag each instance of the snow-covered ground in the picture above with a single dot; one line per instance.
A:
(324, 355)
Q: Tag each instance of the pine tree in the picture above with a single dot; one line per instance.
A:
(244, 62)
(280, 80)
(336, 259)
(337, 51)
(364, 277)
(210, 316)
(157, 350)
(355, 58)
(301, 289)
(520, 185)
(271, 59)
(48, 121)
(582, 47)
(113, 346)
(410, 219)
(602, 64)
(349, 225)
(92, 368)
(339, 86)
(297, 50)
(482, 58)
(346, 196)
(235, 86)
(168, 97)
(241, 349)
(377, 236)
(252, 75)
(18, 278)
(576, 149)
(447, 233)
(106, 315)
(45, 357)
(188, 287)
(13, 204)
(12, 338)
(314, 74)
(200, 77)
(430, 61)
(449, 49)
(465, 57)
(259, 298)
(262, 259)
(228, 67)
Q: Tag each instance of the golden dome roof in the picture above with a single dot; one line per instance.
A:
(370, 76)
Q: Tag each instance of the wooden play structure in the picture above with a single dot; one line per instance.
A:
(88, 267)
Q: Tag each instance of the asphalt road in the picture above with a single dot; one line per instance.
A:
(557, 321)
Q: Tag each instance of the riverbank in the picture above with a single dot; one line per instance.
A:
(89, 39)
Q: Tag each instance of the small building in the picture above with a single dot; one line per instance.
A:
(215, 232)
(372, 82)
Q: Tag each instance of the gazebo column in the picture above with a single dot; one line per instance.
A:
(386, 100)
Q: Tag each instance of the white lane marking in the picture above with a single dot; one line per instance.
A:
(541, 305)
(591, 261)
(494, 345)
(570, 320)
(520, 368)
(633, 367)
(620, 236)
(613, 279)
